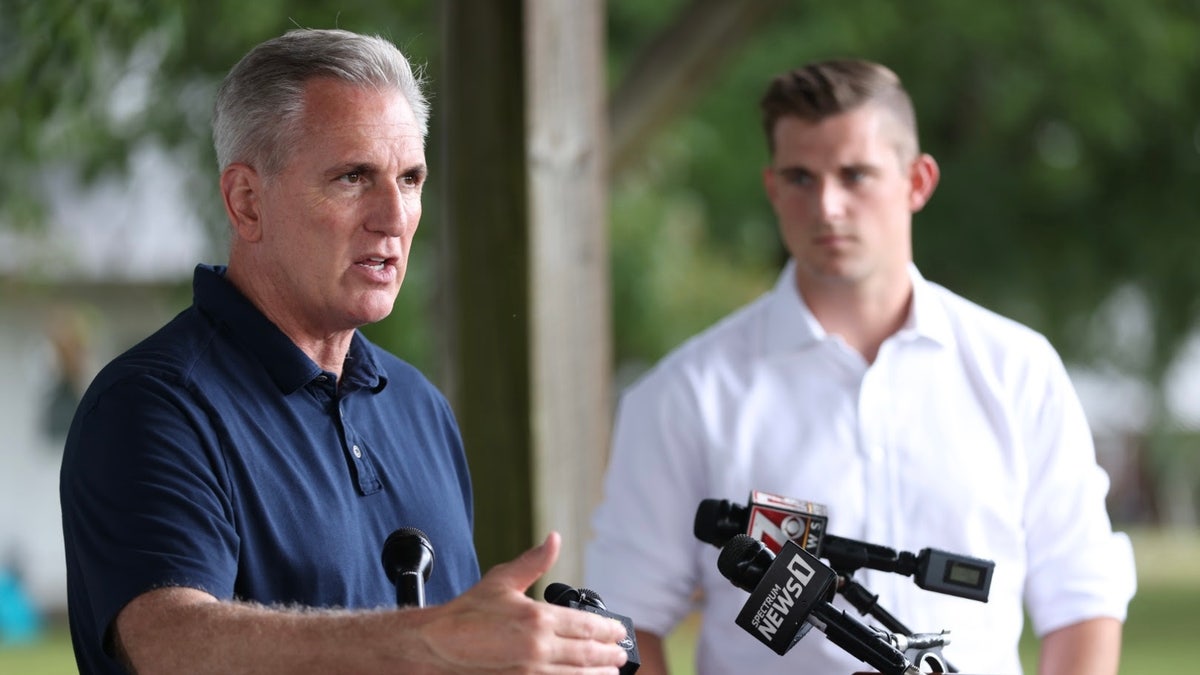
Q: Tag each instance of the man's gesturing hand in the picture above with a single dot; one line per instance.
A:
(495, 627)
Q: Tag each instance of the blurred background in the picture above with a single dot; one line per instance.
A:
(1068, 132)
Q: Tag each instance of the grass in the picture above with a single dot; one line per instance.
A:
(49, 655)
(1159, 633)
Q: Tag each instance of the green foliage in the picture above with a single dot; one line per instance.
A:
(1067, 131)
(85, 83)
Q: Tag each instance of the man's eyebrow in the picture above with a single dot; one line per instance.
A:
(350, 167)
(861, 167)
(791, 171)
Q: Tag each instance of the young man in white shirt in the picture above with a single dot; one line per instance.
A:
(917, 417)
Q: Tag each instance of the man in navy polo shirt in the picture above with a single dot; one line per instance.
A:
(228, 483)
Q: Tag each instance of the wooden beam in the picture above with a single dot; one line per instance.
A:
(484, 271)
(570, 325)
(528, 360)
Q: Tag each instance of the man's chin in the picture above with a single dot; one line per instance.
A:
(373, 309)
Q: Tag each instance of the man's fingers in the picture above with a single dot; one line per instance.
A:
(591, 654)
(586, 639)
(580, 625)
(568, 637)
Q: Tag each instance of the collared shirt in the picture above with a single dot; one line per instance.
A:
(216, 455)
(964, 435)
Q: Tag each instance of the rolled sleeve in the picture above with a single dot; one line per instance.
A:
(1079, 568)
(642, 558)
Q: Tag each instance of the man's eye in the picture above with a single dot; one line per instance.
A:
(413, 179)
(795, 177)
(353, 178)
(854, 176)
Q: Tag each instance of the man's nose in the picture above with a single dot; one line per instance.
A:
(394, 209)
(831, 200)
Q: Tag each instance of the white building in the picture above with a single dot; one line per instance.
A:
(113, 263)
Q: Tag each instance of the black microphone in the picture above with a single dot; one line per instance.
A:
(589, 601)
(775, 519)
(408, 561)
(767, 517)
(789, 594)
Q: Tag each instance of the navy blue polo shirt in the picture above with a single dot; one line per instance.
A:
(216, 455)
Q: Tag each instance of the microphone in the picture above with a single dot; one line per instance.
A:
(775, 520)
(770, 518)
(589, 601)
(408, 561)
(789, 594)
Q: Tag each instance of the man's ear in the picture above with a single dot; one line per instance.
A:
(241, 188)
(924, 176)
(769, 185)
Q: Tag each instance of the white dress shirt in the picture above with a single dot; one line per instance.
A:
(965, 434)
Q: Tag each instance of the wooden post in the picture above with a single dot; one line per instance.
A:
(527, 362)
(485, 266)
(570, 326)
(528, 359)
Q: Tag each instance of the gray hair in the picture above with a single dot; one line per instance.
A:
(262, 98)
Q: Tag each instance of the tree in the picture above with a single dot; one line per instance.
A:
(1066, 129)
(86, 83)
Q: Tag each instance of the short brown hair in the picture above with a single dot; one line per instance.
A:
(824, 89)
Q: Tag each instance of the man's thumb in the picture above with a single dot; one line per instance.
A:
(520, 572)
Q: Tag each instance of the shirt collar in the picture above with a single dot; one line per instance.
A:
(288, 366)
(792, 326)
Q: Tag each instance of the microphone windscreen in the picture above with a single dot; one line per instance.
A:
(407, 548)
(705, 525)
(558, 593)
(739, 561)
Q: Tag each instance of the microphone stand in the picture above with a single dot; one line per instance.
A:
(868, 605)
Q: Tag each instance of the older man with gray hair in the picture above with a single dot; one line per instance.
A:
(228, 483)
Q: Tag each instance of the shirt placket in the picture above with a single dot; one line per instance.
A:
(356, 450)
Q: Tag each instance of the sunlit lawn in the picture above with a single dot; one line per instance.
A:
(1160, 636)
(51, 655)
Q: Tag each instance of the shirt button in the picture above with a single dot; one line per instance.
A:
(357, 452)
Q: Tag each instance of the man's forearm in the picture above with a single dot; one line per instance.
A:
(652, 654)
(187, 631)
(1091, 647)
(492, 627)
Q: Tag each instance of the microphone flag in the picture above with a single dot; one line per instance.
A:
(775, 519)
(777, 609)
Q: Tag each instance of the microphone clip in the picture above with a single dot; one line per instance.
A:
(589, 601)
